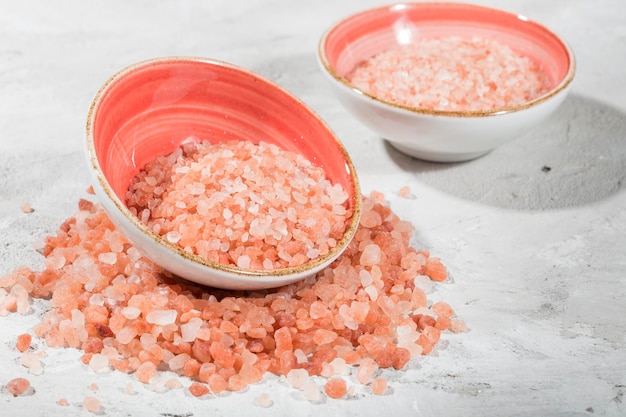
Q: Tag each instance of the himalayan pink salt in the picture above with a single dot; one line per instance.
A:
(198, 390)
(452, 74)
(264, 400)
(23, 342)
(366, 370)
(311, 392)
(18, 386)
(143, 320)
(92, 404)
(26, 208)
(336, 388)
(241, 204)
(379, 386)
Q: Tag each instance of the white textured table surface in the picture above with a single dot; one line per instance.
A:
(536, 256)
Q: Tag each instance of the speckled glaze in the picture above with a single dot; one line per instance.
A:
(148, 109)
(436, 135)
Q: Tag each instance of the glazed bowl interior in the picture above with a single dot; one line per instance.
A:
(149, 109)
(366, 34)
(434, 133)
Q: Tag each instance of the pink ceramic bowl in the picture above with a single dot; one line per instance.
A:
(148, 109)
(440, 135)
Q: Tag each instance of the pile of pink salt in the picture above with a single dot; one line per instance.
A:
(366, 312)
(452, 74)
(241, 204)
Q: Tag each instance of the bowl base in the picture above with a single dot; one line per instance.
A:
(437, 156)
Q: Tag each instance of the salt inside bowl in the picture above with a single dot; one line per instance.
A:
(431, 132)
(149, 109)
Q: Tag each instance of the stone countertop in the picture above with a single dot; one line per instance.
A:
(533, 234)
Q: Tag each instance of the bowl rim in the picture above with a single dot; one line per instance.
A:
(342, 81)
(259, 275)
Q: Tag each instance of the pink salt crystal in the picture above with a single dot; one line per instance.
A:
(91, 404)
(145, 372)
(63, 402)
(98, 362)
(173, 383)
(404, 192)
(458, 326)
(379, 386)
(297, 377)
(162, 317)
(32, 361)
(371, 255)
(336, 388)
(131, 313)
(126, 334)
(190, 329)
(311, 391)
(26, 208)
(366, 370)
(18, 386)
(264, 400)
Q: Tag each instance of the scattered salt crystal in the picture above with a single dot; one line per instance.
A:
(131, 313)
(190, 329)
(371, 255)
(311, 391)
(18, 386)
(91, 404)
(162, 317)
(108, 258)
(32, 361)
(298, 377)
(99, 362)
(264, 401)
(26, 208)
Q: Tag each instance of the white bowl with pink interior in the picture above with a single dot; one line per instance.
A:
(220, 176)
(446, 82)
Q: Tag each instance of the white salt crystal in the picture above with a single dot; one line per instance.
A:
(298, 377)
(98, 362)
(130, 312)
(311, 391)
(189, 330)
(162, 317)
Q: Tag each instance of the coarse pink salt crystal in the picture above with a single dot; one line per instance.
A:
(366, 370)
(23, 342)
(371, 255)
(63, 402)
(162, 317)
(379, 386)
(311, 392)
(145, 372)
(453, 74)
(336, 388)
(18, 386)
(458, 326)
(92, 404)
(198, 390)
(297, 377)
(264, 400)
(26, 208)
(404, 192)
